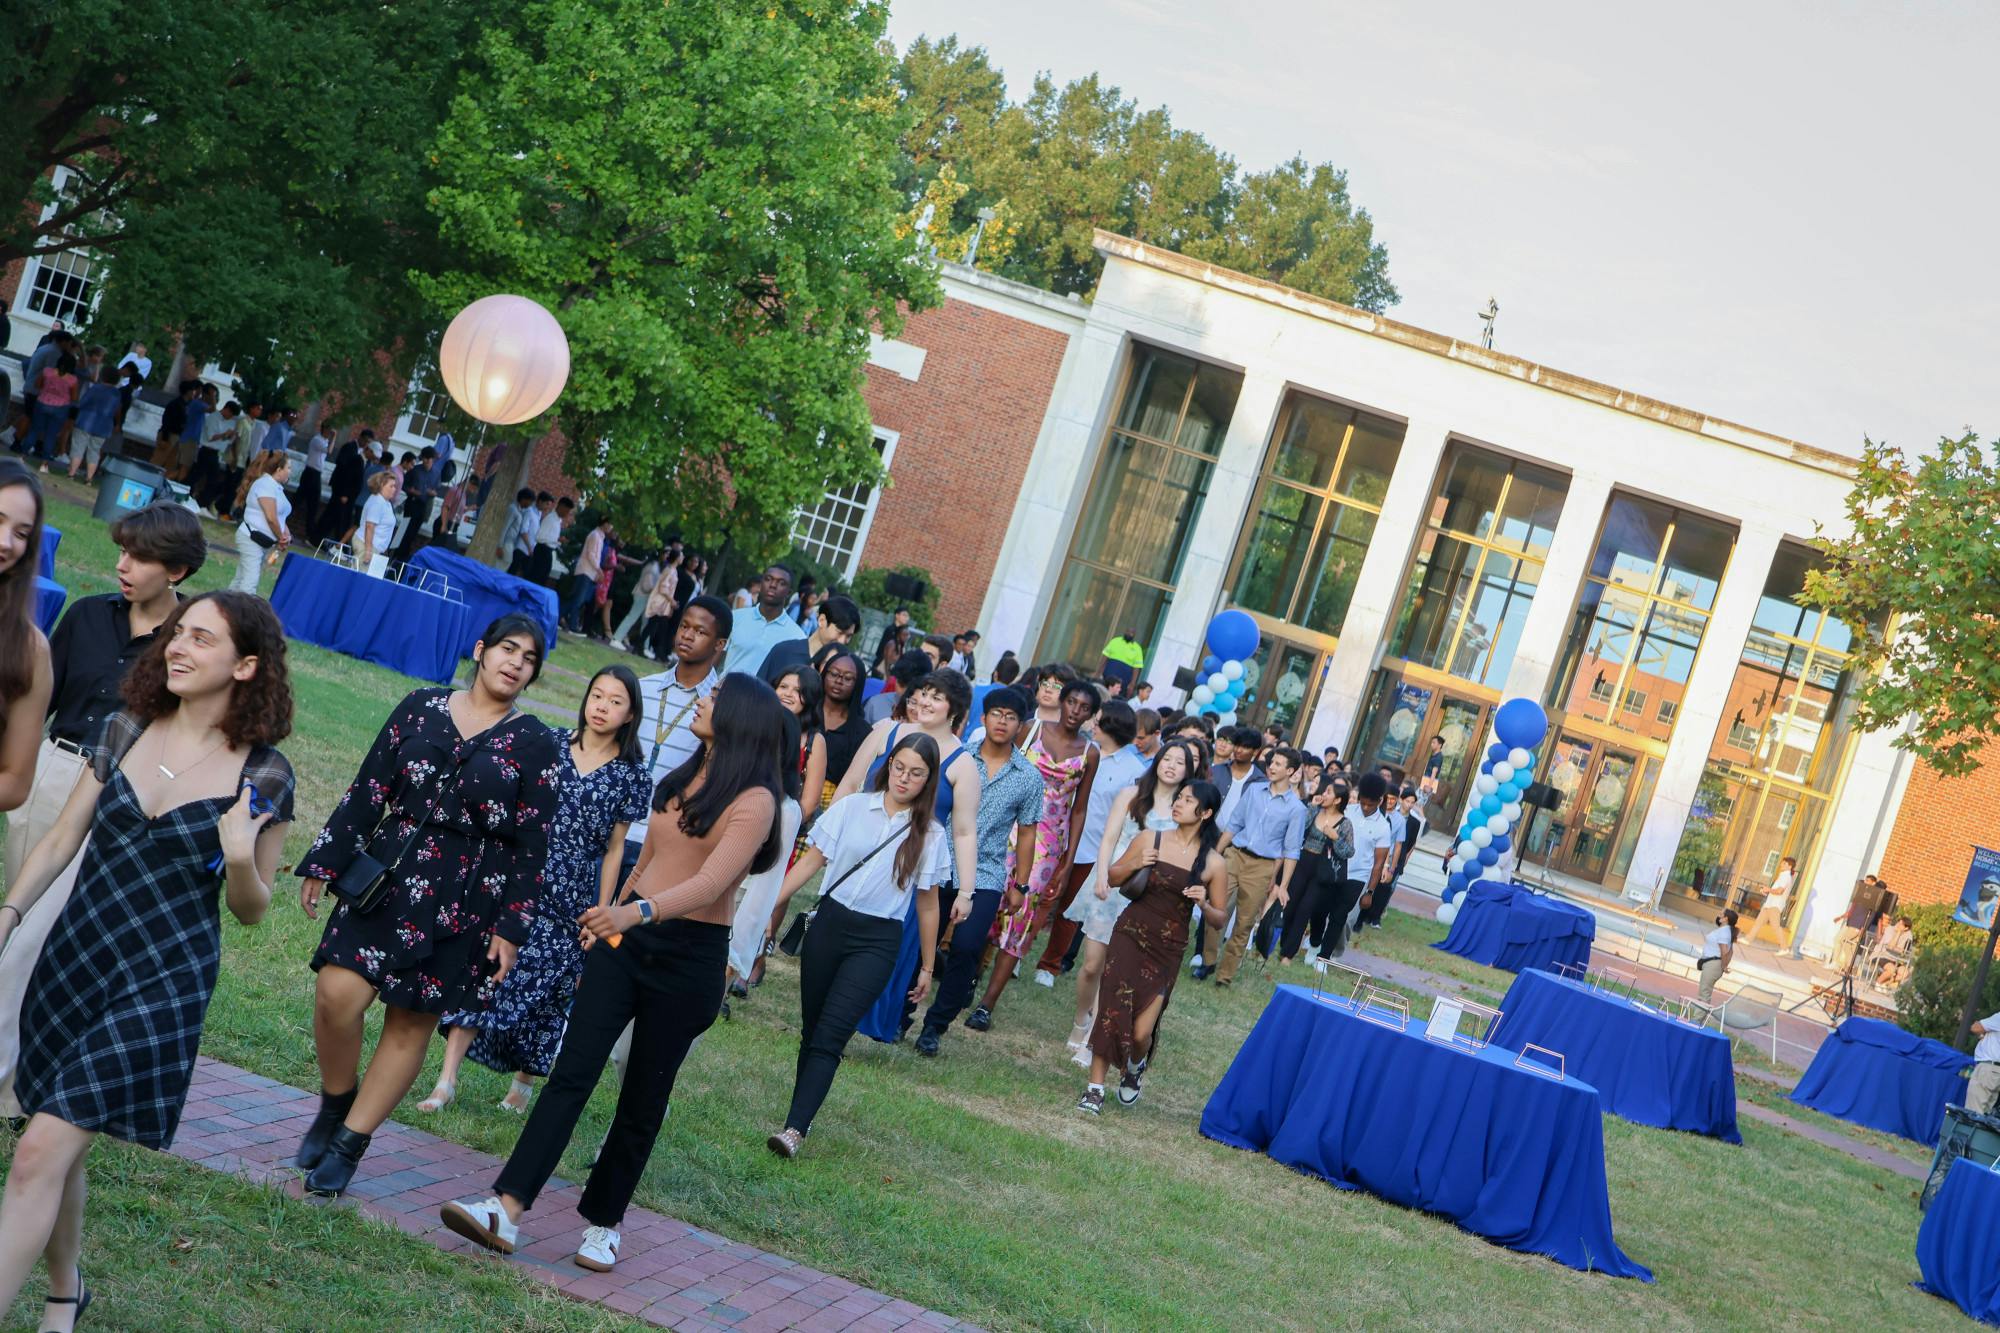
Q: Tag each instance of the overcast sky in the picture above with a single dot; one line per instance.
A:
(1785, 214)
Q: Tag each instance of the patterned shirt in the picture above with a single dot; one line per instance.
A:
(1008, 797)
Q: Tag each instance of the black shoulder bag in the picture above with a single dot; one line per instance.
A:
(795, 934)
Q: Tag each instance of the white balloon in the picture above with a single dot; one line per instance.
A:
(1502, 772)
(1521, 758)
(1480, 837)
(1498, 824)
(1486, 784)
(1218, 682)
(1227, 719)
(1447, 912)
(1201, 695)
(1468, 851)
(1232, 669)
(1511, 811)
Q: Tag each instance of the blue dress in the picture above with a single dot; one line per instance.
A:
(884, 1020)
(523, 1028)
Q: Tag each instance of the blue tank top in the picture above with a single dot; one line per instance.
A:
(944, 796)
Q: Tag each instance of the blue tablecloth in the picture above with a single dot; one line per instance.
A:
(1504, 925)
(489, 594)
(1507, 1153)
(49, 598)
(51, 539)
(1958, 1246)
(1647, 1067)
(373, 619)
(1876, 1074)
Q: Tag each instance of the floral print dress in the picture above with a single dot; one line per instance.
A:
(523, 1028)
(474, 869)
(1013, 930)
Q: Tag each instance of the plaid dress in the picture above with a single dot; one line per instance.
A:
(114, 1011)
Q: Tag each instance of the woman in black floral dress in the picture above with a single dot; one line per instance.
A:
(604, 788)
(454, 800)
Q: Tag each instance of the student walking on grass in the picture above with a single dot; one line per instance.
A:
(653, 960)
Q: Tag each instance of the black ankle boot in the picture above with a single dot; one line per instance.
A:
(336, 1169)
(332, 1110)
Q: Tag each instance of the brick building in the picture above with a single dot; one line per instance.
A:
(1937, 823)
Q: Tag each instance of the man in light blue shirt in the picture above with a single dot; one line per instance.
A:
(763, 624)
(1117, 725)
(1262, 837)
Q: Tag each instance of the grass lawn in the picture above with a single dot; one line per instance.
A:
(970, 1185)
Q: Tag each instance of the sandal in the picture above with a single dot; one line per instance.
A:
(1078, 1036)
(443, 1095)
(523, 1089)
(81, 1300)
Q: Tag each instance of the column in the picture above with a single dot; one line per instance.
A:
(1570, 554)
(1863, 810)
(1379, 587)
(1038, 531)
(1231, 483)
(1707, 694)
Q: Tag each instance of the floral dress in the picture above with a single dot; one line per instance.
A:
(524, 1026)
(1013, 930)
(473, 871)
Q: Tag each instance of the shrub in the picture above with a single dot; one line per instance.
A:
(871, 591)
(1947, 956)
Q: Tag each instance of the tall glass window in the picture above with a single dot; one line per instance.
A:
(1317, 503)
(1143, 503)
(1640, 619)
(1478, 564)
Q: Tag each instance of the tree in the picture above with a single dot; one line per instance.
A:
(1295, 224)
(704, 194)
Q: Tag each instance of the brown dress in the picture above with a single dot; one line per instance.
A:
(1146, 949)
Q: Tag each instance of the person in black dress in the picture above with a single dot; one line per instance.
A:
(344, 489)
(115, 1007)
(454, 800)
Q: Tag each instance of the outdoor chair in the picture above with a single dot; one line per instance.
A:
(1751, 1008)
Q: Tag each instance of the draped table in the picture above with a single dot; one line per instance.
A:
(49, 595)
(1506, 926)
(1647, 1067)
(389, 624)
(1958, 1246)
(488, 593)
(1510, 1154)
(1876, 1074)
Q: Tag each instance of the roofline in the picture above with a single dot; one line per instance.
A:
(1114, 246)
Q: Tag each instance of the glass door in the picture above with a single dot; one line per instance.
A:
(1459, 723)
(1570, 760)
(1603, 801)
(1283, 680)
(1594, 782)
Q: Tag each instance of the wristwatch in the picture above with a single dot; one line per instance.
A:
(645, 912)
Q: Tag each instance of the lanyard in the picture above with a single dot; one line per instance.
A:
(663, 729)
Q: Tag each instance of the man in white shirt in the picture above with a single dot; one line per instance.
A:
(517, 535)
(548, 536)
(667, 699)
(137, 357)
(765, 625)
(583, 578)
(1984, 1092)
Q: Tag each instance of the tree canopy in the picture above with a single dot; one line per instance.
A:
(1924, 544)
(1081, 156)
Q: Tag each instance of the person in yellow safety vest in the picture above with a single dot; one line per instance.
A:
(1123, 659)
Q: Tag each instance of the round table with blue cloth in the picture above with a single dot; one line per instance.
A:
(378, 621)
(1507, 926)
(1647, 1068)
(1958, 1246)
(488, 594)
(1876, 1074)
(1510, 1154)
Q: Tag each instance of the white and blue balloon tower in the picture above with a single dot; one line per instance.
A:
(1494, 807)
(1232, 641)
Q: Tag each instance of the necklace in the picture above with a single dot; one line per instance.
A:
(172, 776)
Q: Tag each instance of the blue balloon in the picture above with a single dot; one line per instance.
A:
(1210, 665)
(1520, 722)
(1489, 806)
(1509, 792)
(1233, 634)
(1455, 885)
(1501, 843)
(1494, 754)
(1487, 856)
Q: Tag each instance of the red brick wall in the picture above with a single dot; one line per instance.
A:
(966, 430)
(1937, 826)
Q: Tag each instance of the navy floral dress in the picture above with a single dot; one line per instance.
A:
(474, 871)
(523, 1028)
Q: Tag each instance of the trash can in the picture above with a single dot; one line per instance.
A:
(127, 484)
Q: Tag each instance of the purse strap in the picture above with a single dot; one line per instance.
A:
(437, 797)
(894, 834)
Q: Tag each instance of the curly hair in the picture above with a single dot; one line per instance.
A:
(260, 708)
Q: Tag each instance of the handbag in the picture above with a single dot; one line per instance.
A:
(365, 882)
(795, 934)
(1135, 883)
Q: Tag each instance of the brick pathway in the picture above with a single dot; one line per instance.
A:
(672, 1274)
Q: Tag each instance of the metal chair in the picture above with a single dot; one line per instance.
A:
(1751, 1008)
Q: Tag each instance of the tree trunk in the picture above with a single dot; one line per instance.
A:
(499, 499)
(1966, 1018)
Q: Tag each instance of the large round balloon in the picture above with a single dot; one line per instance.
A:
(1210, 664)
(1201, 694)
(1232, 669)
(1520, 722)
(1233, 634)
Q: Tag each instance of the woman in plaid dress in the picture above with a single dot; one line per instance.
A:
(174, 807)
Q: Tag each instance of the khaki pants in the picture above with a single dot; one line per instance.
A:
(1983, 1093)
(1249, 885)
(1768, 915)
(56, 772)
(1844, 945)
(1710, 972)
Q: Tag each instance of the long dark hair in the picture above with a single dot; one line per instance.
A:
(1207, 796)
(910, 856)
(754, 736)
(626, 738)
(810, 694)
(1148, 786)
(1728, 918)
(17, 594)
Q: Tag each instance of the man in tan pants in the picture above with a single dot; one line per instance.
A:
(1262, 837)
(1984, 1093)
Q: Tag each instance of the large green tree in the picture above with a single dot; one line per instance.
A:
(1076, 157)
(704, 193)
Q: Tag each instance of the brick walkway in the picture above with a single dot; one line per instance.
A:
(672, 1274)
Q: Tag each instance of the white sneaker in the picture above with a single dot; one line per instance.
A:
(599, 1249)
(484, 1223)
(1046, 979)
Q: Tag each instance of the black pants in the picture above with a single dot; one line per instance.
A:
(418, 509)
(660, 632)
(541, 563)
(202, 474)
(517, 564)
(1347, 894)
(960, 972)
(847, 959)
(1316, 883)
(306, 503)
(665, 980)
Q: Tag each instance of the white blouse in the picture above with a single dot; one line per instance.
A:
(852, 828)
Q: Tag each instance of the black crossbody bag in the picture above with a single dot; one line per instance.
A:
(365, 882)
(795, 934)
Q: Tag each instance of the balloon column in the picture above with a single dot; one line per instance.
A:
(1494, 806)
(1232, 641)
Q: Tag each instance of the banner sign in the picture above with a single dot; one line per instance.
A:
(1981, 895)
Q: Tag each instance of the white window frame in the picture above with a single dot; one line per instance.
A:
(31, 321)
(419, 383)
(852, 565)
